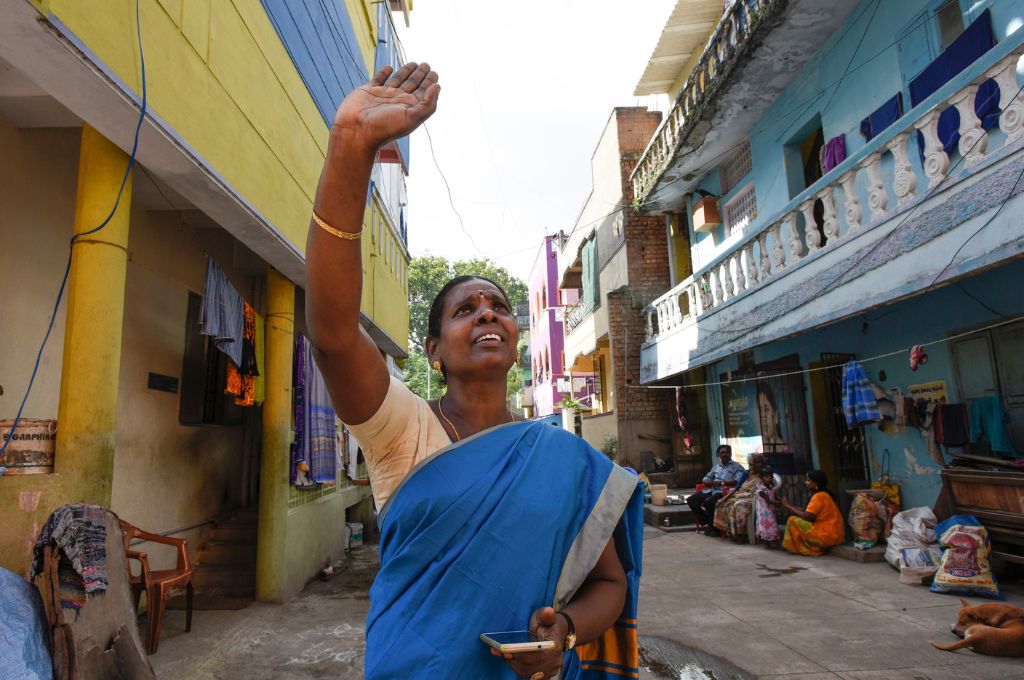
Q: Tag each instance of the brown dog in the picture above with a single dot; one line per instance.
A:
(992, 629)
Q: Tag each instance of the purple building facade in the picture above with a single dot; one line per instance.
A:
(547, 340)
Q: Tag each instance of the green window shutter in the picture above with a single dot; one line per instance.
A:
(591, 290)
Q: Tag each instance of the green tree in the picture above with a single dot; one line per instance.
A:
(427, 276)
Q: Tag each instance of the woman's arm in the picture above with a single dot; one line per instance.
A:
(369, 117)
(594, 609)
(802, 514)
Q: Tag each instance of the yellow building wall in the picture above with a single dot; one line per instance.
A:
(219, 76)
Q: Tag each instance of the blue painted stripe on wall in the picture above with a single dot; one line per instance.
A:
(321, 42)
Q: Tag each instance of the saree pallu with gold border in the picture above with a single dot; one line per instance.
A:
(489, 529)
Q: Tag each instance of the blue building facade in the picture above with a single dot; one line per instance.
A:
(863, 163)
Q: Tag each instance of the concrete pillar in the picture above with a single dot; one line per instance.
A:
(87, 411)
(271, 565)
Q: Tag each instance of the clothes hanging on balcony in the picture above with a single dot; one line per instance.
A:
(859, 404)
(298, 474)
(882, 117)
(975, 41)
(988, 419)
(223, 312)
(321, 427)
(241, 380)
(951, 426)
(835, 153)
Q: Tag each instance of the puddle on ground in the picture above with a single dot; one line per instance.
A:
(662, 659)
(772, 572)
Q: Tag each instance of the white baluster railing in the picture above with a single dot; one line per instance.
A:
(887, 166)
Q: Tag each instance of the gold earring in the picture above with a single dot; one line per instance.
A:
(437, 366)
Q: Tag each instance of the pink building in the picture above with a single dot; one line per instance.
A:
(550, 382)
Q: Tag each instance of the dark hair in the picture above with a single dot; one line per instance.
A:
(766, 470)
(437, 306)
(724, 446)
(821, 479)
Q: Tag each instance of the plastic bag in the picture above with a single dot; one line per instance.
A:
(965, 568)
(913, 528)
(865, 520)
(24, 651)
(918, 565)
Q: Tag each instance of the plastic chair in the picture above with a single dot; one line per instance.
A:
(157, 584)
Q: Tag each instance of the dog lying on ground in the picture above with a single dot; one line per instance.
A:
(992, 629)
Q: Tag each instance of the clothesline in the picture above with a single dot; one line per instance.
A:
(802, 371)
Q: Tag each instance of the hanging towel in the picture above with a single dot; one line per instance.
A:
(835, 152)
(299, 403)
(320, 446)
(951, 427)
(988, 418)
(242, 381)
(223, 312)
(859, 403)
(260, 383)
(882, 117)
(975, 41)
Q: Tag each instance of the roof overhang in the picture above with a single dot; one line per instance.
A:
(681, 42)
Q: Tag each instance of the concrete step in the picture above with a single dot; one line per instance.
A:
(234, 531)
(849, 552)
(224, 577)
(239, 555)
(667, 515)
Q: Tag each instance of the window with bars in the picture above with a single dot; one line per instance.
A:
(740, 211)
(736, 168)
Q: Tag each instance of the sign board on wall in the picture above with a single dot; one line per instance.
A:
(935, 391)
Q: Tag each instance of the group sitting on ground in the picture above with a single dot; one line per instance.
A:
(809, 531)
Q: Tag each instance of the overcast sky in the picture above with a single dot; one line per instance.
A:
(526, 89)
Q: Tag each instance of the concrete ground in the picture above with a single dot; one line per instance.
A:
(708, 609)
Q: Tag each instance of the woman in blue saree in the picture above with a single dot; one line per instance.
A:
(487, 524)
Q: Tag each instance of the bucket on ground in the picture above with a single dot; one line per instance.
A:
(32, 446)
(354, 534)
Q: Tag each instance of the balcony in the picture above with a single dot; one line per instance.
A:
(574, 316)
(754, 52)
(885, 210)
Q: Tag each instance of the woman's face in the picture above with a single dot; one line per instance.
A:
(810, 484)
(479, 333)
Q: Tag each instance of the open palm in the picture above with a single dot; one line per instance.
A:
(389, 107)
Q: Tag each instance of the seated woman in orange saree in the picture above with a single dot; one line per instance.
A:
(817, 528)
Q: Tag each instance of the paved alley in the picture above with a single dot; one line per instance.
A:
(708, 609)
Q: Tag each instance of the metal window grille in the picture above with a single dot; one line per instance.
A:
(740, 210)
(736, 168)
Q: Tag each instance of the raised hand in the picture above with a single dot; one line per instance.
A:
(389, 106)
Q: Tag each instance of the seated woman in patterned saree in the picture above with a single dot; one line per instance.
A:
(487, 524)
(733, 512)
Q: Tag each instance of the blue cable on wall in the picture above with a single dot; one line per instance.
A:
(76, 237)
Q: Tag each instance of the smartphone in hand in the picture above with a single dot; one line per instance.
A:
(514, 641)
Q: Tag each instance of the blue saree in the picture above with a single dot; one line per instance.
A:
(484, 532)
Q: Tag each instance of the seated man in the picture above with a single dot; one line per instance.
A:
(703, 502)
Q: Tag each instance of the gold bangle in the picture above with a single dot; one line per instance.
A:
(347, 235)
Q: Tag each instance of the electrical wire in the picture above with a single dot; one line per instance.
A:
(815, 369)
(80, 237)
